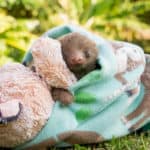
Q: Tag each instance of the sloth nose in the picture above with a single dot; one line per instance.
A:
(77, 60)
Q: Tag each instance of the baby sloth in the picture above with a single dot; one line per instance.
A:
(61, 62)
(80, 54)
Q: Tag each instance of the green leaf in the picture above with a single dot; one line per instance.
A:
(15, 54)
(103, 7)
(15, 44)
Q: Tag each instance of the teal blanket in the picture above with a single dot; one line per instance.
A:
(108, 103)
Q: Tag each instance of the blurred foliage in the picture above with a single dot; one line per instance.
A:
(21, 21)
(15, 35)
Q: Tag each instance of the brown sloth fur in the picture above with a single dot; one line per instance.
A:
(80, 54)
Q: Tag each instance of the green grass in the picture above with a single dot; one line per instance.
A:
(140, 141)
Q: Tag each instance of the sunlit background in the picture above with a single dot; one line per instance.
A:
(21, 21)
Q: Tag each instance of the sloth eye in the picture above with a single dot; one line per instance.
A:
(87, 54)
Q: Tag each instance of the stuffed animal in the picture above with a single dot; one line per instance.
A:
(25, 105)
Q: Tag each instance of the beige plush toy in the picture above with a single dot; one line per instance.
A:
(25, 105)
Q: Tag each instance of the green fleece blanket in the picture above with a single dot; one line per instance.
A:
(110, 101)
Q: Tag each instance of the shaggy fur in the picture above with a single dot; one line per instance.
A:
(18, 83)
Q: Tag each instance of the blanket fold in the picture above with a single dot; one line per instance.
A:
(109, 101)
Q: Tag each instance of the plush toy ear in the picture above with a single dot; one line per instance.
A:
(9, 111)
